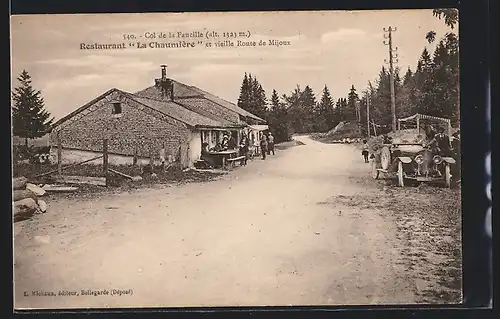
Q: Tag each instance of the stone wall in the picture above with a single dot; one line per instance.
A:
(138, 129)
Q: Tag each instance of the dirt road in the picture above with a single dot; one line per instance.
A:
(275, 232)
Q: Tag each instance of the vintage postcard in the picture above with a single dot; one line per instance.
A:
(236, 159)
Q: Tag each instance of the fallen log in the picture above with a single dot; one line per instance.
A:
(24, 209)
(19, 194)
(120, 173)
(91, 180)
(19, 182)
(59, 189)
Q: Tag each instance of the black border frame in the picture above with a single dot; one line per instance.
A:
(475, 131)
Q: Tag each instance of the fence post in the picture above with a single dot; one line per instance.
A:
(105, 159)
(135, 155)
(59, 155)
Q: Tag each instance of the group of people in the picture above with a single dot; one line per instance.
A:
(441, 143)
(229, 143)
(266, 144)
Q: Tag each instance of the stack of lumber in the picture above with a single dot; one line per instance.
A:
(26, 199)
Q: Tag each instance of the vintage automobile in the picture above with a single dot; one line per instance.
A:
(412, 161)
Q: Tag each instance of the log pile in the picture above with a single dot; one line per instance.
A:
(26, 199)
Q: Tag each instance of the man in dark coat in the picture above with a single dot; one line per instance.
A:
(270, 144)
(263, 145)
(441, 142)
(244, 148)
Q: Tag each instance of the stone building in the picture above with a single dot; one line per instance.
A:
(168, 119)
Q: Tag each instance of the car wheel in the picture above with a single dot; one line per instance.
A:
(401, 180)
(385, 157)
(375, 171)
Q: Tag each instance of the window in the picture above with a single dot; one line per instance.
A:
(117, 108)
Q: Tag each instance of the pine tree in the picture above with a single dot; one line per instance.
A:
(260, 106)
(252, 96)
(338, 111)
(29, 117)
(308, 104)
(352, 102)
(278, 119)
(381, 100)
(406, 98)
(294, 108)
(244, 99)
(344, 107)
(408, 76)
(275, 101)
(326, 115)
(424, 65)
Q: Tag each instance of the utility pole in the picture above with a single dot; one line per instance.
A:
(392, 59)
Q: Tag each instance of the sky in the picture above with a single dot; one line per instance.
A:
(333, 48)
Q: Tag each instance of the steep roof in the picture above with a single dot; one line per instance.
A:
(183, 91)
(179, 112)
(209, 109)
(171, 109)
(226, 104)
(180, 91)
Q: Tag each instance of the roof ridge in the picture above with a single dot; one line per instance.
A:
(223, 99)
(138, 100)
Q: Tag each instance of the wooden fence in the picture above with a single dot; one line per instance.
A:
(181, 157)
(101, 181)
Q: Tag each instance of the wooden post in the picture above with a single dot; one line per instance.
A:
(418, 124)
(59, 155)
(399, 125)
(105, 159)
(135, 155)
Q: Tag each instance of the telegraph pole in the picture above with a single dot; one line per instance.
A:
(392, 59)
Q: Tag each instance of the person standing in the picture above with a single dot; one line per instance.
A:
(270, 144)
(244, 148)
(225, 142)
(231, 144)
(364, 152)
(441, 143)
(263, 145)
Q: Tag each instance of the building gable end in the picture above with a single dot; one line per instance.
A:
(115, 96)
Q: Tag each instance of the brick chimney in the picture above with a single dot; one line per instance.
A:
(163, 72)
(164, 84)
